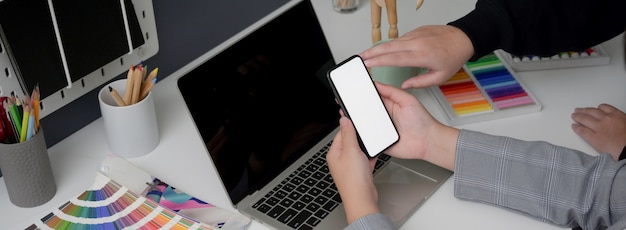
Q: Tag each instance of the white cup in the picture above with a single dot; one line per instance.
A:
(132, 129)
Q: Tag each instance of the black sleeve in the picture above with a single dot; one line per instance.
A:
(541, 27)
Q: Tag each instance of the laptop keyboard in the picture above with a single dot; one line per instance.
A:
(308, 195)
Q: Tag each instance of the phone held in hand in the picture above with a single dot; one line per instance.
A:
(359, 100)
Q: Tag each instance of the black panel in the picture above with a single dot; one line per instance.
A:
(92, 33)
(186, 30)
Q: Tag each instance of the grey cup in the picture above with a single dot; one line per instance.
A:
(27, 172)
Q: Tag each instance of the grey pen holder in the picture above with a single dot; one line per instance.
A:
(27, 171)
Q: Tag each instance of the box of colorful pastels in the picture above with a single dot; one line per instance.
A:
(590, 57)
(483, 90)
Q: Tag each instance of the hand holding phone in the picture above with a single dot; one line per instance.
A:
(359, 100)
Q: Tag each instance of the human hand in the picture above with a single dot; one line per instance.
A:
(421, 135)
(352, 173)
(442, 49)
(604, 128)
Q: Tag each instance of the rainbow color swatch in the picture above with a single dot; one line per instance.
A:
(112, 206)
(484, 90)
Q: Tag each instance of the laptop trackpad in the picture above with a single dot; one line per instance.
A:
(401, 191)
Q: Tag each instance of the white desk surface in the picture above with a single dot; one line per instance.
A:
(182, 160)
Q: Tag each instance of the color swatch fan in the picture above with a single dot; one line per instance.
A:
(110, 204)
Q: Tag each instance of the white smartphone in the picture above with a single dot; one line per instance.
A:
(359, 100)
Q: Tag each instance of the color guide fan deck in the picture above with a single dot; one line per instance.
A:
(486, 89)
(123, 196)
(109, 205)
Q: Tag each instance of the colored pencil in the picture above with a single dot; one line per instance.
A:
(24, 129)
(35, 97)
(137, 74)
(116, 96)
(129, 85)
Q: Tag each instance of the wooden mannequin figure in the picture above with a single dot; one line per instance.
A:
(392, 17)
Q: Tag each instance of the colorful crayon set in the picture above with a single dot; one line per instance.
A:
(589, 57)
(486, 89)
(113, 206)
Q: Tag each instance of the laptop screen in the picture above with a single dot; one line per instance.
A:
(264, 101)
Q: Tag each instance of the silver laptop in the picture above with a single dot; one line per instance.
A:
(267, 115)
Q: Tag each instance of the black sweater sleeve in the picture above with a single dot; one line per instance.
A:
(541, 27)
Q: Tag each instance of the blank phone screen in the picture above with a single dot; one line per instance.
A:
(361, 102)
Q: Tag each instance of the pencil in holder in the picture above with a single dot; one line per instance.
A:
(27, 171)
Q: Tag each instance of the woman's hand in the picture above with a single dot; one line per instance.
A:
(352, 173)
(421, 135)
(442, 49)
(604, 128)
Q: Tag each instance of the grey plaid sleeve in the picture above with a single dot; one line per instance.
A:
(376, 221)
(550, 183)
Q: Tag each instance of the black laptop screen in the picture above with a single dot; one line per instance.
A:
(265, 100)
